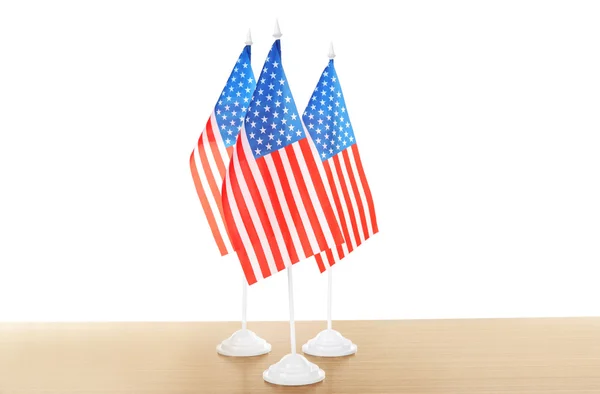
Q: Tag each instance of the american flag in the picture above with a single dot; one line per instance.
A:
(326, 118)
(210, 158)
(275, 202)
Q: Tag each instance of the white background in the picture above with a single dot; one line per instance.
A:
(478, 123)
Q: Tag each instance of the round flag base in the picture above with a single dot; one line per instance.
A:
(329, 343)
(293, 370)
(243, 343)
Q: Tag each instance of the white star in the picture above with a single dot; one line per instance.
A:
(268, 146)
(271, 86)
(287, 99)
(278, 142)
(267, 108)
(275, 64)
(257, 151)
(311, 126)
(298, 133)
(294, 116)
(227, 141)
(273, 125)
(256, 113)
(269, 97)
(263, 130)
(259, 140)
(271, 136)
(285, 110)
(289, 137)
(251, 135)
(275, 114)
(260, 91)
(253, 124)
(318, 140)
(279, 92)
(281, 81)
(273, 75)
(264, 119)
(323, 154)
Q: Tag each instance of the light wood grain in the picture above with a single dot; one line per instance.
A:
(528, 356)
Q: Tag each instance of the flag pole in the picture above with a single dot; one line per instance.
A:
(244, 342)
(244, 301)
(329, 280)
(329, 342)
(293, 369)
(291, 298)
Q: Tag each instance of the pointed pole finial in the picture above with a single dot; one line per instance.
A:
(331, 54)
(249, 38)
(277, 33)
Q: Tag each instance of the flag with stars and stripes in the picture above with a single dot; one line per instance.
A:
(211, 155)
(275, 203)
(326, 119)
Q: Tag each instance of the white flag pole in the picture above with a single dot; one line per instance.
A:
(291, 299)
(329, 280)
(293, 369)
(329, 342)
(243, 342)
(244, 302)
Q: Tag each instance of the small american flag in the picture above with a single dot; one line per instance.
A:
(326, 119)
(274, 200)
(210, 158)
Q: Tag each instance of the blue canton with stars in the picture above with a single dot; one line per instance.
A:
(326, 117)
(235, 98)
(272, 121)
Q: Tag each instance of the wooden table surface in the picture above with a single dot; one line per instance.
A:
(526, 356)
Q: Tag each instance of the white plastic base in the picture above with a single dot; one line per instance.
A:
(293, 370)
(243, 343)
(329, 343)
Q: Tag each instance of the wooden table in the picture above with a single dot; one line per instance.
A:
(526, 356)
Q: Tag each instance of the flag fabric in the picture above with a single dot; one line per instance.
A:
(326, 119)
(276, 207)
(212, 153)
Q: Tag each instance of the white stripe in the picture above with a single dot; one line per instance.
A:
(361, 191)
(284, 207)
(211, 201)
(352, 198)
(312, 239)
(239, 224)
(313, 195)
(250, 207)
(219, 139)
(338, 187)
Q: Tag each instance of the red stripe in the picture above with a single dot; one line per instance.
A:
(230, 151)
(215, 149)
(346, 194)
(291, 203)
(206, 206)
(365, 185)
(246, 266)
(320, 189)
(248, 224)
(330, 258)
(338, 204)
(261, 210)
(320, 264)
(283, 225)
(357, 197)
(306, 200)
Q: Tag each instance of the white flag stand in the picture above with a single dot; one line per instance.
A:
(293, 369)
(329, 342)
(243, 342)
